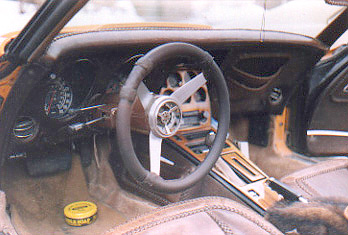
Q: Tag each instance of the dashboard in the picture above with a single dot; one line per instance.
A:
(78, 96)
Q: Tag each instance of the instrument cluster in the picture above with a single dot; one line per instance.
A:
(56, 101)
(69, 89)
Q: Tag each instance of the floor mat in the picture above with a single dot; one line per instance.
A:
(37, 203)
(273, 164)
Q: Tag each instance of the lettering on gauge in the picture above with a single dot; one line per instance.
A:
(58, 99)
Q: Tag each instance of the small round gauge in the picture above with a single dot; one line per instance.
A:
(58, 99)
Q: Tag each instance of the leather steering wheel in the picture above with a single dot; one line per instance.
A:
(165, 116)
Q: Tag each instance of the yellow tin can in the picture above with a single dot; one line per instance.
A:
(80, 213)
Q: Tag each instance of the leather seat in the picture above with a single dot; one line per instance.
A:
(325, 179)
(216, 215)
(207, 215)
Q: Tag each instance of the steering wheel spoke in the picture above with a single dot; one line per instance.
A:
(155, 146)
(189, 88)
(146, 97)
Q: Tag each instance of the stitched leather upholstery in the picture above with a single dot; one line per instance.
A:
(325, 179)
(208, 215)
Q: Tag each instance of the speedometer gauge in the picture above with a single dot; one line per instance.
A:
(58, 99)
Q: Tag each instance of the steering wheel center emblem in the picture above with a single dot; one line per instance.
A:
(165, 118)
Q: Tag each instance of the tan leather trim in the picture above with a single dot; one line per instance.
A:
(302, 182)
(85, 28)
(187, 208)
(306, 187)
(300, 179)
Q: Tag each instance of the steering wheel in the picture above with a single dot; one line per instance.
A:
(165, 115)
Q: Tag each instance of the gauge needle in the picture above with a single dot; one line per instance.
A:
(51, 101)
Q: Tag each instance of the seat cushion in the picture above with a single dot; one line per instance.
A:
(325, 179)
(208, 215)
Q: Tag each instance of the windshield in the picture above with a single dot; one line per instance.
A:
(308, 17)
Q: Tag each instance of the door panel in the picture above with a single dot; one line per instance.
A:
(327, 107)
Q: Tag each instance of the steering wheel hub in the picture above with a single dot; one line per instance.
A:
(165, 117)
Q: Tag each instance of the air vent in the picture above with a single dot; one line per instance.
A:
(25, 129)
(196, 135)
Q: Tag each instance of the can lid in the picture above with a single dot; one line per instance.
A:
(80, 210)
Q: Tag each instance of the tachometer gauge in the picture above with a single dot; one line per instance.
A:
(58, 99)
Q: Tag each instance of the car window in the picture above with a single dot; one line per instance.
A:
(308, 17)
(15, 14)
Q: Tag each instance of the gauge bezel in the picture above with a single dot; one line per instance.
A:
(63, 100)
